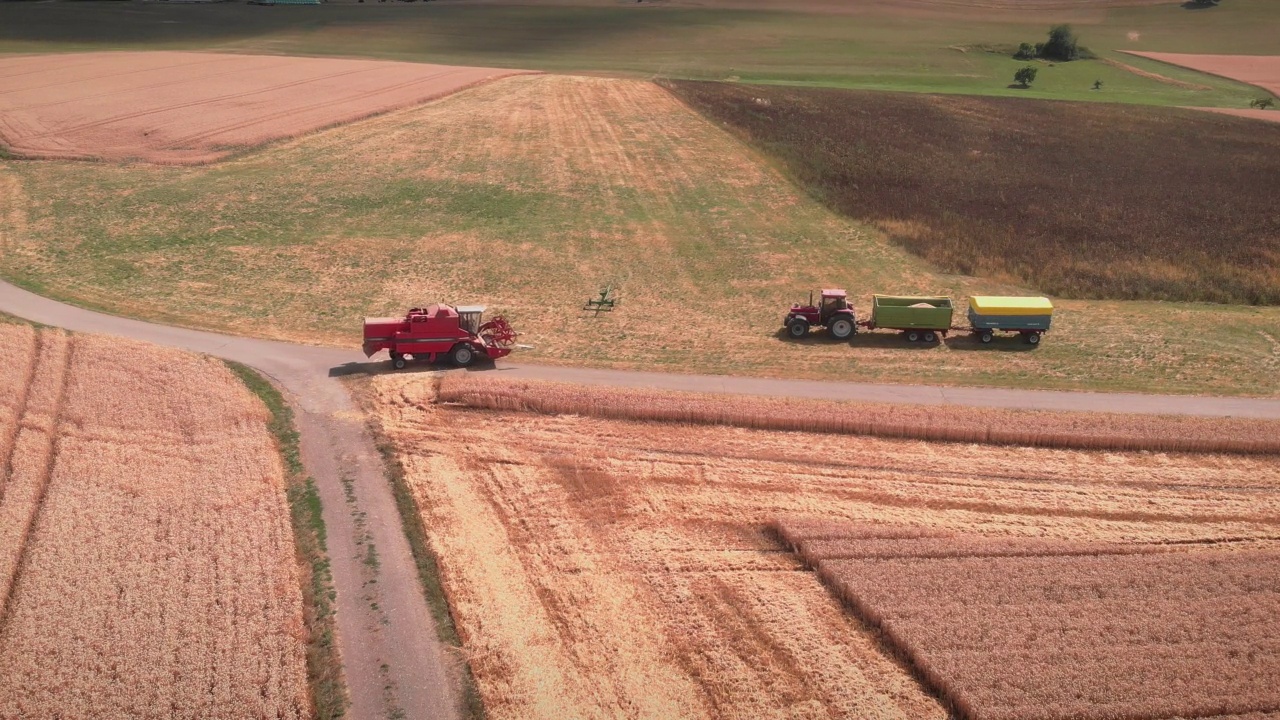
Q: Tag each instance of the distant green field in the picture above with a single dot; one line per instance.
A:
(883, 47)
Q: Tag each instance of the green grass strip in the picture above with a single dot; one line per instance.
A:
(324, 667)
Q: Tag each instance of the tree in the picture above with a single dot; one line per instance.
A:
(1062, 45)
(1025, 76)
(1262, 103)
(1026, 51)
(1097, 84)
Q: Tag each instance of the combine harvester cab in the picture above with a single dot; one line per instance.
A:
(430, 333)
(1027, 316)
(919, 318)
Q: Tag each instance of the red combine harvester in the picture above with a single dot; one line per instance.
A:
(428, 333)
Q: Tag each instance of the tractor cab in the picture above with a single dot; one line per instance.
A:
(833, 300)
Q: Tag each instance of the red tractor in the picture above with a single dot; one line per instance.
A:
(439, 331)
(834, 313)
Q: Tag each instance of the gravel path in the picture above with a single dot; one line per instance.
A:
(394, 662)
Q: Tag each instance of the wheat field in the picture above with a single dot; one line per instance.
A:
(600, 567)
(147, 566)
(1086, 431)
(1024, 628)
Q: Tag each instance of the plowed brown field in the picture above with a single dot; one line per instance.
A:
(180, 107)
(610, 568)
(147, 564)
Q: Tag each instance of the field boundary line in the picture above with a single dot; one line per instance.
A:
(326, 681)
(19, 562)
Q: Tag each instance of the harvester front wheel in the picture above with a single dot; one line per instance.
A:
(841, 328)
(798, 328)
(462, 355)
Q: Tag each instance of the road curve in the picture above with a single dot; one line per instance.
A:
(394, 663)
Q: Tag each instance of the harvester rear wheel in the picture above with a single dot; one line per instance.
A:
(462, 354)
(398, 361)
(798, 328)
(841, 328)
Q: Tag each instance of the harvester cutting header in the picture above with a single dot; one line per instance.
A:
(456, 332)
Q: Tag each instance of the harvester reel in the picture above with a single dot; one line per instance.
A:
(498, 332)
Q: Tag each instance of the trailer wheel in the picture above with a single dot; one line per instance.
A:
(841, 328)
(462, 354)
(1033, 338)
(913, 336)
(986, 336)
(398, 361)
(798, 328)
(930, 337)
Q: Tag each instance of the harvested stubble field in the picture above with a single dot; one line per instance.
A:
(460, 200)
(179, 107)
(1082, 200)
(1085, 431)
(147, 565)
(1011, 628)
(608, 568)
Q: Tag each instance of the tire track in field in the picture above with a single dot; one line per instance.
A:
(195, 103)
(22, 511)
(289, 112)
(159, 68)
(8, 442)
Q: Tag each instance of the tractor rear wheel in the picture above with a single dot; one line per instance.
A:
(462, 355)
(841, 328)
(930, 337)
(1033, 338)
(798, 328)
(913, 336)
(986, 336)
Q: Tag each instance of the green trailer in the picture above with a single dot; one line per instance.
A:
(919, 318)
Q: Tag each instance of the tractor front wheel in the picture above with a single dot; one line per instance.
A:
(462, 355)
(798, 328)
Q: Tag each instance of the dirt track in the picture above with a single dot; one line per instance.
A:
(184, 107)
(387, 623)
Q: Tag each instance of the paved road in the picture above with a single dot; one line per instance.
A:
(395, 645)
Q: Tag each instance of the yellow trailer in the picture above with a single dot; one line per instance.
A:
(1028, 316)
